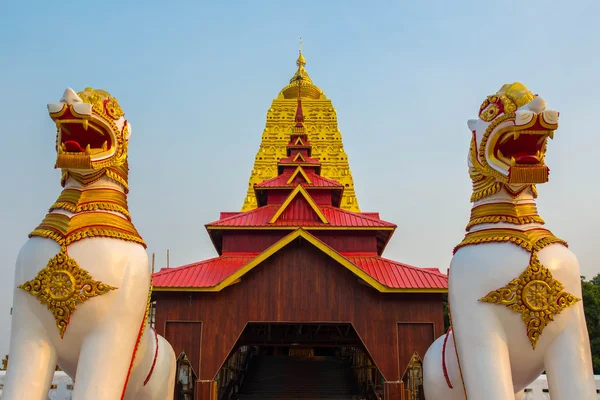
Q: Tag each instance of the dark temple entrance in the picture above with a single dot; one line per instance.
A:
(299, 361)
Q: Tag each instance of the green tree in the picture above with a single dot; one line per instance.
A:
(591, 306)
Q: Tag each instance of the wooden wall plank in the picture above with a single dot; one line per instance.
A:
(186, 336)
(413, 336)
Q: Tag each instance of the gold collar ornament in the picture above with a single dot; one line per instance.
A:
(63, 284)
(517, 214)
(94, 199)
(531, 240)
(66, 230)
(536, 295)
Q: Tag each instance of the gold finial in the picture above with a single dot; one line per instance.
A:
(301, 74)
(301, 61)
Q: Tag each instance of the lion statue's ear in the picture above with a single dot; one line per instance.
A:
(472, 124)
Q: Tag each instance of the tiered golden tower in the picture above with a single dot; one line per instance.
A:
(323, 134)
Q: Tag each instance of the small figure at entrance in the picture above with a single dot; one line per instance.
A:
(186, 376)
(413, 379)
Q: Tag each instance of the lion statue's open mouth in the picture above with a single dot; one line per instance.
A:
(91, 130)
(522, 147)
(510, 137)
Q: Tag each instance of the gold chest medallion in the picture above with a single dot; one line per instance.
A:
(63, 284)
(535, 294)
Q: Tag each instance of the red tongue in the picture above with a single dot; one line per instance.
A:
(72, 145)
(527, 159)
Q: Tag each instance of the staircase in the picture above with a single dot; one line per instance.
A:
(271, 377)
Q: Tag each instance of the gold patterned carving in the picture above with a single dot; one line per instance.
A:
(488, 185)
(66, 230)
(536, 295)
(509, 220)
(102, 102)
(113, 109)
(63, 284)
(530, 240)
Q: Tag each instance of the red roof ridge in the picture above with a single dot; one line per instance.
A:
(317, 181)
(358, 214)
(371, 214)
(227, 214)
(358, 253)
(274, 178)
(242, 213)
(376, 256)
(431, 270)
(165, 270)
(325, 179)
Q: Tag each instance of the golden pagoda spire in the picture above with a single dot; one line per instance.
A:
(315, 117)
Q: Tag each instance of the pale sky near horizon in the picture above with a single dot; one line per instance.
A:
(197, 78)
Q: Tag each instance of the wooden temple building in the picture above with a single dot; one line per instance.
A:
(300, 302)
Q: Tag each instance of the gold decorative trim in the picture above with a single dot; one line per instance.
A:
(518, 174)
(66, 230)
(300, 171)
(75, 201)
(487, 169)
(530, 240)
(516, 193)
(117, 174)
(506, 219)
(536, 295)
(63, 284)
(119, 178)
(518, 214)
(507, 209)
(488, 188)
(299, 191)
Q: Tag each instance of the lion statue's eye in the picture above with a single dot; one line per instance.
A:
(113, 109)
(484, 105)
(490, 113)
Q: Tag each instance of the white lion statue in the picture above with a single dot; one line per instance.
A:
(514, 287)
(82, 280)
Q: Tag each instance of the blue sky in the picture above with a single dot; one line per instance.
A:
(197, 78)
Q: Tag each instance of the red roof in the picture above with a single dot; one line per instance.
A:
(397, 275)
(205, 273)
(369, 214)
(281, 181)
(336, 217)
(210, 273)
